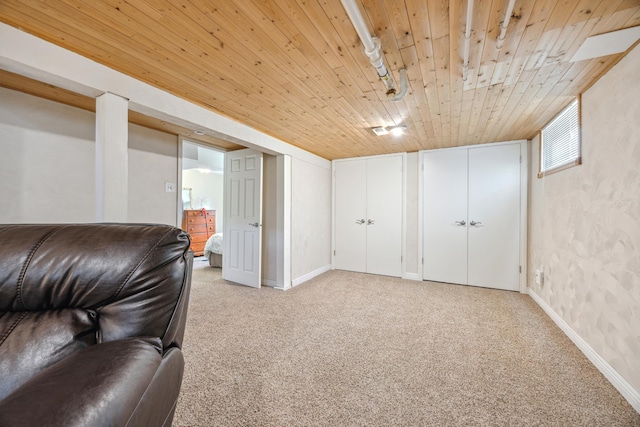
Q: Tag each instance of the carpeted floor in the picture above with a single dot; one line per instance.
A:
(350, 349)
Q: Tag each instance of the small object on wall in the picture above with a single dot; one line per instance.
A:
(170, 187)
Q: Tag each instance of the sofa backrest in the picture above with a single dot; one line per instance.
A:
(63, 287)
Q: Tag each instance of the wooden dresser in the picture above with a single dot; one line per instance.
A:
(200, 224)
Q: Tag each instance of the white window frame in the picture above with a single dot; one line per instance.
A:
(571, 141)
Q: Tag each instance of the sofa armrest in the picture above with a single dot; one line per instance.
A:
(100, 385)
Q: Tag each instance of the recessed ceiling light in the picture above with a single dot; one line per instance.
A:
(607, 44)
(397, 130)
(198, 132)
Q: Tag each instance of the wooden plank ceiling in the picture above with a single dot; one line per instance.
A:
(296, 69)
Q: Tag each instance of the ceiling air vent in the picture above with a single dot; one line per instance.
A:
(380, 130)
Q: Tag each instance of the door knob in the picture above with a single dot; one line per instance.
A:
(371, 221)
(359, 221)
(461, 223)
(255, 224)
(474, 223)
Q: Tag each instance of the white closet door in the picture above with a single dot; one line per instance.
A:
(445, 216)
(384, 215)
(494, 203)
(350, 215)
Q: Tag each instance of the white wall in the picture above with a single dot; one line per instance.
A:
(310, 218)
(153, 161)
(584, 226)
(206, 192)
(47, 155)
(47, 164)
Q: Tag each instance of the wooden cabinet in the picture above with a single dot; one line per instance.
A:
(200, 224)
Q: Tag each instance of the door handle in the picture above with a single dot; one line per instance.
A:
(474, 223)
(461, 223)
(255, 224)
(359, 221)
(371, 221)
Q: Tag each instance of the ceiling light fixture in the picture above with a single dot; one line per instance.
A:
(198, 132)
(397, 130)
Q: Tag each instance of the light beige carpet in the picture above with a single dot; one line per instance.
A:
(350, 349)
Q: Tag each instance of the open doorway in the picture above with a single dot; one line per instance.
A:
(202, 200)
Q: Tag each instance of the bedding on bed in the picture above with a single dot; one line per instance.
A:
(213, 245)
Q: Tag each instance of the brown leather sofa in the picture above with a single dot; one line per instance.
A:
(92, 319)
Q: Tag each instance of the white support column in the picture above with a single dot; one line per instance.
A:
(112, 139)
(283, 195)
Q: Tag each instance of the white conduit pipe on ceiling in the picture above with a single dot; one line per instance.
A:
(404, 86)
(467, 41)
(504, 24)
(373, 49)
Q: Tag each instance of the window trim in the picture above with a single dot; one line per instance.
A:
(578, 160)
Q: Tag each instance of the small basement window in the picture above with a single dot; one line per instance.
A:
(560, 141)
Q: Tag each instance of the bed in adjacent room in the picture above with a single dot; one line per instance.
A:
(213, 250)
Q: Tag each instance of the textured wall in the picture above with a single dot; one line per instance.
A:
(47, 153)
(47, 165)
(585, 224)
(153, 160)
(310, 218)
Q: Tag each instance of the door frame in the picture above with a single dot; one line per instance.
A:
(524, 197)
(181, 141)
(283, 247)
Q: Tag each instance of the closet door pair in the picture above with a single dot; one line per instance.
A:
(368, 206)
(471, 223)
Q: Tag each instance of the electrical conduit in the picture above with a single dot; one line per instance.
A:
(373, 49)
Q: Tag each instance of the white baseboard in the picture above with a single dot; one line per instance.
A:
(311, 275)
(412, 276)
(626, 390)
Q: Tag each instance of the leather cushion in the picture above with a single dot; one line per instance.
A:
(98, 386)
(32, 341)
(122, 271)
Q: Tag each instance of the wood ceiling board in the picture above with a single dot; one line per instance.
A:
(297, 70)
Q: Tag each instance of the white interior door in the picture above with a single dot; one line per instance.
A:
(384, 215)
(445, 216)
(350, 215)
(243, 217)
(494, 208)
